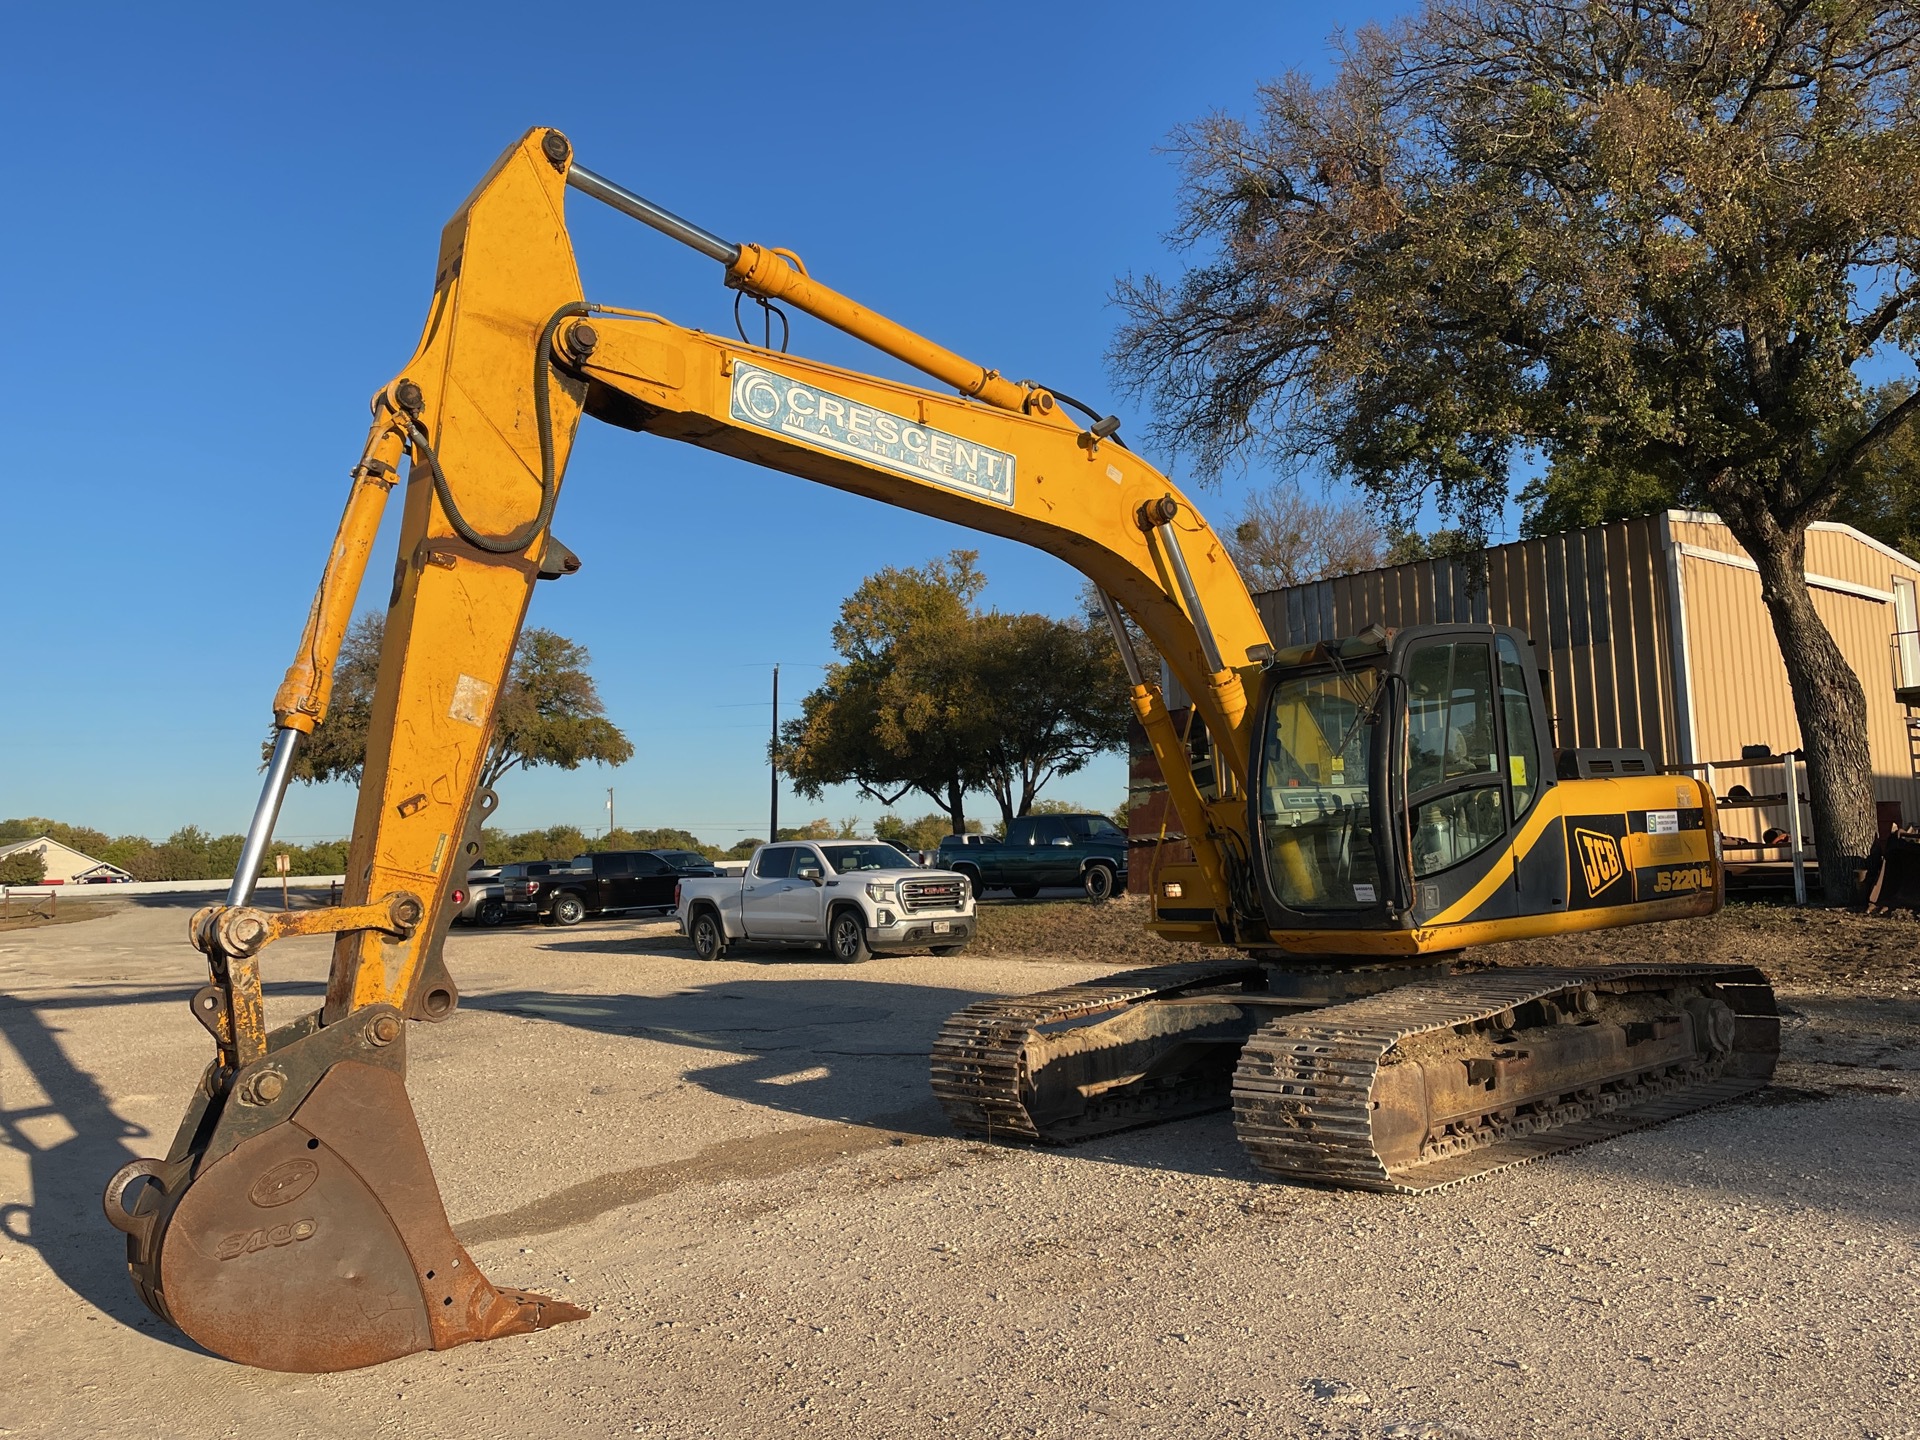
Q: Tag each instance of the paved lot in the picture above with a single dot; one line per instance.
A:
(737, 1166)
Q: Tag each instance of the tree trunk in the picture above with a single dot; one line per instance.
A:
(1003, 793)
(957, 807)
(1828, 702)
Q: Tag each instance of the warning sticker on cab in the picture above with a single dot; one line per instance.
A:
(778, 403)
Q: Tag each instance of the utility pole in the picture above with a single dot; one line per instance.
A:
(609, 812)
(773, 758)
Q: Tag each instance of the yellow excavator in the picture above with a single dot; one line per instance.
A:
(1354, 815)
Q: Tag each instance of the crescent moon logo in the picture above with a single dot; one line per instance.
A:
(758, 397)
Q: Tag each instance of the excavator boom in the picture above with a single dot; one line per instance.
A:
(295, 1223)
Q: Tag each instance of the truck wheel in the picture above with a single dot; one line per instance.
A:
(491, 912)
(847, 938)
(568, 909)
(709, 940)
(1025, 892)
(1098, 881)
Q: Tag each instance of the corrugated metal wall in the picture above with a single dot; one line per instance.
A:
(1595, 602)
(1740, 694)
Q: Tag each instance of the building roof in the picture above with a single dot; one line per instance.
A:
(78, 863)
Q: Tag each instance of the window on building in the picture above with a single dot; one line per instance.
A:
(1906, 635)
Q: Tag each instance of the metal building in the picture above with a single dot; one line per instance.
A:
(1653, 636)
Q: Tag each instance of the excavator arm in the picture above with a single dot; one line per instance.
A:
(298, 1187)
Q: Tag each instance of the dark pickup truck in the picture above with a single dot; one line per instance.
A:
(604, 883)
(1089, 851)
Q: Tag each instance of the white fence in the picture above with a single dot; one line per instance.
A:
(81, 893)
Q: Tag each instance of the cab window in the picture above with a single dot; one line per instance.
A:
(775, 862)
(1523, 744)
(1454, 785)
(1316, 806)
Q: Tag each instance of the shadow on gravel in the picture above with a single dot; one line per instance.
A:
(843, 1050)
(849, 1050)
(64, 1222)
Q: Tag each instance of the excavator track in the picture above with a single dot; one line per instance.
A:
(1315, 1095)
(989, 1059)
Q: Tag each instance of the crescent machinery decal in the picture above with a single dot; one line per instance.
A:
(777, 403)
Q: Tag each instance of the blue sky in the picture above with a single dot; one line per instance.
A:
(220, 238)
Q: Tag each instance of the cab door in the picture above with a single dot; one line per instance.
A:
(1471, 758)
(1056, 861)
(1019, 855)
(653, 882)
(760, 894)
(1456, 796)
(613, 879)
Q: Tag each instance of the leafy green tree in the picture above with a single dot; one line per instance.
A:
(23, 867)
(901, 711)
(1884, 498)
(337, 748)
(557, 842)
(549, 713)
(935, 696)
(925, 833)
(1881, 496)
(666, 838)
(743, 850)
(1055, 696)
(821, 829)
(1657, 238)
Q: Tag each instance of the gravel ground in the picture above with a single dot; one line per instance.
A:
(738, 1168)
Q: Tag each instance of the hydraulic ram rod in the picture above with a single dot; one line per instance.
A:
(777, 275)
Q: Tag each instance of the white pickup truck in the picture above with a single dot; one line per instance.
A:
(856, 897)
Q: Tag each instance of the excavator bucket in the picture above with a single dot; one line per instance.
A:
(296, 1224)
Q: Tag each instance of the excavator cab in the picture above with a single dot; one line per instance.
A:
(1390, 771)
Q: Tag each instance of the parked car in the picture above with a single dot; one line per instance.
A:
(1088, 851)
(856, 897)
(487, 895)
(483, 899)
(605, 883)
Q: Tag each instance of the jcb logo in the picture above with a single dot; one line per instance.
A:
(1599, 859)
(1689, 877)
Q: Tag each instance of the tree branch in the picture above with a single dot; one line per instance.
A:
(1843, 463)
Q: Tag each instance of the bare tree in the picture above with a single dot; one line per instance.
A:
(1283, 536)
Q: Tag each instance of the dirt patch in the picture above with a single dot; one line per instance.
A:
(1111, 933)
(67, 914)
(1813, 948)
